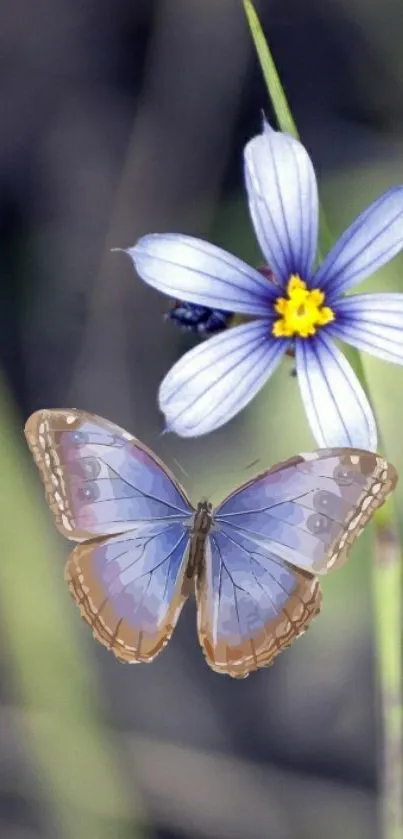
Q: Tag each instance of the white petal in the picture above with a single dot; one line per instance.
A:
(198, 272)
(283, 202)
(372, 240)
(337, 408)
(371, 322)
(215, 380)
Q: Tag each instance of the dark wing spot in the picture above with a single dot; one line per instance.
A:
(89, 492)
(343, 476)
(91, 467)
(326, 502)
(318, 524)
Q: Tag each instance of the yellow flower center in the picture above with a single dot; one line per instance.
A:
(301, 312)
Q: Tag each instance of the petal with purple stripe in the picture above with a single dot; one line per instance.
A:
(215, 380)
(283, 202)
(372, 240)
(337, 408)
(198, 272)
(373, 323)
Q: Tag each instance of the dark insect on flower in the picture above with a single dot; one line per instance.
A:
(203, 321)
(199, 319)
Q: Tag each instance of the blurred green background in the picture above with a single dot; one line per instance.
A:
(122, 119)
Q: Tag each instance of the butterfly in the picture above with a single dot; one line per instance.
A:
(143, 548)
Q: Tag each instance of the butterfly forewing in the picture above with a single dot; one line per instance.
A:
(102, 482)
(310, 509)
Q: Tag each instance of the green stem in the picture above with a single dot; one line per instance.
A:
(387, 566)
(387, 585)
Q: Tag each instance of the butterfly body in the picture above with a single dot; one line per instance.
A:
(201, 526)
(253, 562)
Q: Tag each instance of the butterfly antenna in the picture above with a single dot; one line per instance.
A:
(248, 466)
(252, 463)
(170, 459)
(180, 467)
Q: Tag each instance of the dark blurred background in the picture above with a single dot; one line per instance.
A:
(119, 119)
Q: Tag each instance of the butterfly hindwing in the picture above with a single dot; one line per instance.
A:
(131, 588)
(100, 480)
(310, 510)
(251, 605)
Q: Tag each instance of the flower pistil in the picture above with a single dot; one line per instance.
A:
(301, 312)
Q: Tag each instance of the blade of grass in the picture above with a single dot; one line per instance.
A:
(72, 753)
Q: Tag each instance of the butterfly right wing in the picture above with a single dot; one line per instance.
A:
(250, 603)
(258, 590)
(131, 588)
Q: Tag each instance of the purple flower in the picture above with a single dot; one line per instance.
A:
(302, 310)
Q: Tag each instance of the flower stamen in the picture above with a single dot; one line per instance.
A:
(302, 312)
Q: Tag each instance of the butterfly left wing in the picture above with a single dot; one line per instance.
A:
(131, 588)
(250, 604)
(310, 509)
(108, 491)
